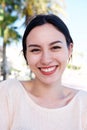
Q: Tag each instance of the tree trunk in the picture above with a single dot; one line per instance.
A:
(4, 62)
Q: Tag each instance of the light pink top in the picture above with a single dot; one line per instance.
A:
(19, 112)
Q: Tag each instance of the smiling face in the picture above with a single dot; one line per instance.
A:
(47, 53)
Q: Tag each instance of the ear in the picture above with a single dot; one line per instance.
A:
(70, 48)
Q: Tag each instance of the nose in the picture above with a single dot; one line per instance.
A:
(46, 58)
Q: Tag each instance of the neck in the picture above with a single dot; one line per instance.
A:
(47, 91)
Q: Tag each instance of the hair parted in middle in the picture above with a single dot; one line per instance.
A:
(42, 19)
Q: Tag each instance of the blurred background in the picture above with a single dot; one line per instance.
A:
(14, 15)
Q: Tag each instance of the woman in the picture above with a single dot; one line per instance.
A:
(44, 103)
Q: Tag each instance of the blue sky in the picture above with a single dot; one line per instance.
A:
(77, 22)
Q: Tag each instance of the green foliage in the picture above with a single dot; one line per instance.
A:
(10, 4)
(33, 7)
(74, 67)
(10, 34)
(8, 15)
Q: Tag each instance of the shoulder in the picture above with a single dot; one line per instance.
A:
(79, 94)
(8, 86)
(82, 94)
(82, 99)
(10, 92)
(7, 83)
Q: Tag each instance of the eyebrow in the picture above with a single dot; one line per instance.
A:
(33, 45)
(52, 43)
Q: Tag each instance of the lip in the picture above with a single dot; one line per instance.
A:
(48, 70)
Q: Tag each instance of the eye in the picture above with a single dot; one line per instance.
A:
(35, 50)
(56, 48)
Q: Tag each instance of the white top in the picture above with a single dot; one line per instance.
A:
(19, 112)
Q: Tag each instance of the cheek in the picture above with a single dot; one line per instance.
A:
(62, 57)
(32, 60)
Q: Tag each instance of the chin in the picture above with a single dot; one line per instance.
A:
(50, 81)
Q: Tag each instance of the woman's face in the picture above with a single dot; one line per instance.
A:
(47, 53)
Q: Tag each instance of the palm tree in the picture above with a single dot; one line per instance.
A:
(33, 7)
(8, 15)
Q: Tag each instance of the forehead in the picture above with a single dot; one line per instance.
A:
(46, 32)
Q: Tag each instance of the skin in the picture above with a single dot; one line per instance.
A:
(47, 55)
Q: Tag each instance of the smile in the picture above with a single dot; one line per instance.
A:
(48, 70)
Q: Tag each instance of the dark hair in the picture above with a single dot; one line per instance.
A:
(43, 19)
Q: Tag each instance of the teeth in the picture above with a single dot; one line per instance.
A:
(48, 69)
